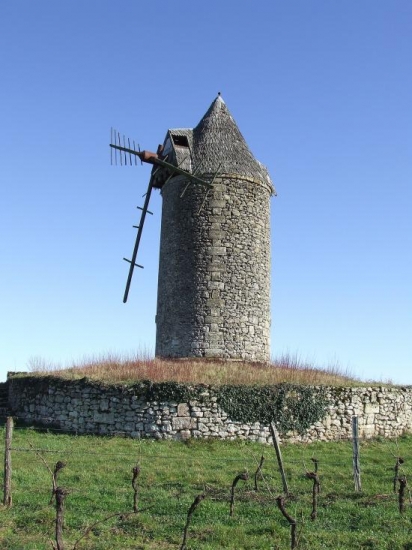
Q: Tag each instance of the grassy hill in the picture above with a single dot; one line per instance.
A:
(98, 476)
(130, 369)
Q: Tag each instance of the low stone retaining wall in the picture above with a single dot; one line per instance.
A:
(86, 407)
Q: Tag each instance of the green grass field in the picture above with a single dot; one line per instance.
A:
(99, 471)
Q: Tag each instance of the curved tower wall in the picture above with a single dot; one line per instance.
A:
(214, 272)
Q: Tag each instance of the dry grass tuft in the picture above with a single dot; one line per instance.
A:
(112, 368)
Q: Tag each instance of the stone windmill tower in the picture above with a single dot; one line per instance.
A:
(214, 269)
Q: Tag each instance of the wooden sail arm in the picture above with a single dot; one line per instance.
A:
(153, 158)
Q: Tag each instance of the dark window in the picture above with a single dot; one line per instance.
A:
(181, 141)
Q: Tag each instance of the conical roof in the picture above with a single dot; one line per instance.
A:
(214, 145)
(217, 141)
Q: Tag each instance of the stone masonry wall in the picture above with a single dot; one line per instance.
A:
(85, 407)
(214, 270)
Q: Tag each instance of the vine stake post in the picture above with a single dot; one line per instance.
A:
(7, 499)
(356, 460)
(275, 439)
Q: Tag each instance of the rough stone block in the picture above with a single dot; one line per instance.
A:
(103, 418)
(183, 423)
(371, 408)
(183, 409)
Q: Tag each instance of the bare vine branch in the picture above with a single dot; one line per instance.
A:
(402, 486)
(292, 522)
(399, 462)
(315, 491)
(136, 472)
(244, 476)
(258, 471)
(120, 515)
(192, 508)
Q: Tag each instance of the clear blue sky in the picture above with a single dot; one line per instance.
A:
(322, 92)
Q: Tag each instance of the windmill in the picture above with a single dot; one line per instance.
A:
(213, 294)
(160, 163)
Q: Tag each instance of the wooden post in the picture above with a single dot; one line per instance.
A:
(275, 439)
(7, 499)
(356, 461)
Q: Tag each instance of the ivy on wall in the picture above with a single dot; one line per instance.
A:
(166, 391)
(291, 407)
